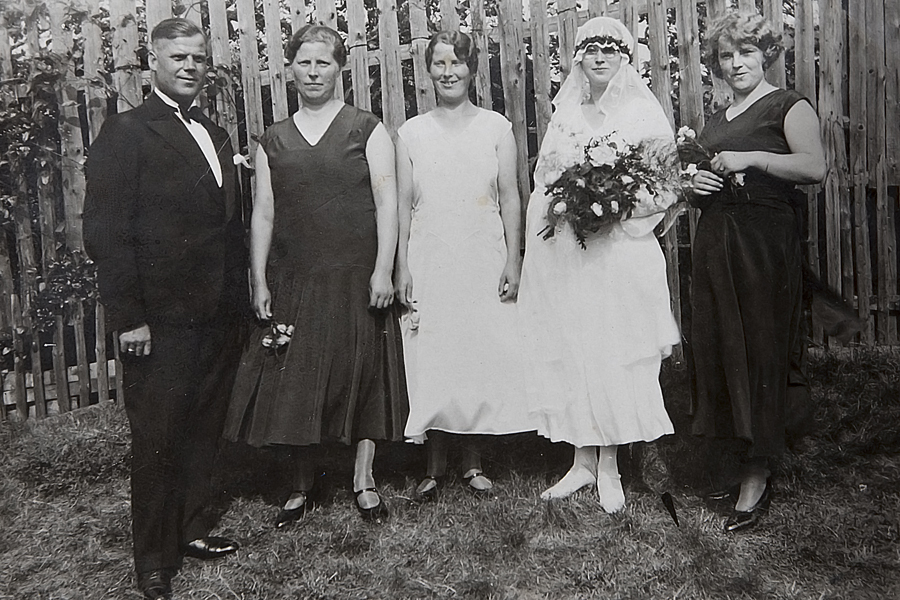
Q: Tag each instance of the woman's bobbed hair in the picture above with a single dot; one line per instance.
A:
(317, 33)
(741, 28)
(463, 47)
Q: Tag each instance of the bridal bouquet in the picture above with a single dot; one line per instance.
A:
(615, 181)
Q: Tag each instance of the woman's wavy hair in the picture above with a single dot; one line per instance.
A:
(463, 47)
(741, 28)
(317, 33)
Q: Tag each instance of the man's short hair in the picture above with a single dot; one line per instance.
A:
(176, 27)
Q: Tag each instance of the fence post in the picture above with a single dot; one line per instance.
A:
(392, 100)
(126, 64)
(480, 35)
(512, 71)
(540, 68)
(359, 54)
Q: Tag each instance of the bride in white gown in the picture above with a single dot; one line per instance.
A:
(597, 320)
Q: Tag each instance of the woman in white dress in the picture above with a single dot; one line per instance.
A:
(597, 321)
(458, 268)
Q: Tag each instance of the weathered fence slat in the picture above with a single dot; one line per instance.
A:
(885, 209)
(661, 77)
(773, 10)
(875, 92)
(892, 89)
(628, 14)
(359, 63)
(83, 361)
(275, 60)
(449, 16)
(877, 167)
(127, 65)
(858, 172)
(71, 143)
(831, 117)
(567, 16)
(596, 8)
(298, 14)
(690, 87)
(100, 353)
(253, 113)
(512, 72)
(226, 107)
(95, 90)
(540, 52)
(157, 10)
(480, 34)
(392, 100)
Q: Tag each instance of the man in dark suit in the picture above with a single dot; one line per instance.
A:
(162, 223)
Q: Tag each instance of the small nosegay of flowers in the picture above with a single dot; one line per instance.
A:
(278, 336)
(694, 156)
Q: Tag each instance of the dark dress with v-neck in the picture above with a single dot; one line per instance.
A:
(746, 288)
(341, 376)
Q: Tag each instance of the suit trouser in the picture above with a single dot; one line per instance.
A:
(176, 400)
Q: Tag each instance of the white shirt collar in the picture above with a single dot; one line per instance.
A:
(171, 102)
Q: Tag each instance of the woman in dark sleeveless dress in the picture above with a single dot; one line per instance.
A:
(323, 235)
(747, 257)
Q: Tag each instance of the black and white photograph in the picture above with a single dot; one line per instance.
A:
(433, 299)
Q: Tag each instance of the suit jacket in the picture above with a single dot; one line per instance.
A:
(167, 240)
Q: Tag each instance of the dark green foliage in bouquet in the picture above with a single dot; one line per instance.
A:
(615, 181)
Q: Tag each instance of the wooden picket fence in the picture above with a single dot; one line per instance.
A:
(852, 80)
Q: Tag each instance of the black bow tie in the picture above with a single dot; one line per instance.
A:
(192, 114)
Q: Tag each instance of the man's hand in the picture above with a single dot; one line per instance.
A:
(135, 342)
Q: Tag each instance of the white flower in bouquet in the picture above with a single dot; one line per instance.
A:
(686, 133)
(690, 170)
(559, 208)
(738, 178)
(602, 154)
(626, 179)
(614, 206)
(597, 209)
(643, 195)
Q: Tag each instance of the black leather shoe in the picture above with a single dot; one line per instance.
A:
(207, 548)
(371, 513)
(156, 584)
(289, 515)
(745, 519)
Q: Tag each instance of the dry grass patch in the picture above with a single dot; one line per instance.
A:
(832, 532)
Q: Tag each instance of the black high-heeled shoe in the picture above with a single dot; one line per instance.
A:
(289, 515)
(745, 519)
(371, 513)
(428, 488)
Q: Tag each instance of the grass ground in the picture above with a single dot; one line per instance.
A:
(833, 531)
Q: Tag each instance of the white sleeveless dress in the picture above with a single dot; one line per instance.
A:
(464, 364)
